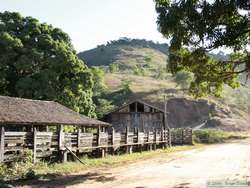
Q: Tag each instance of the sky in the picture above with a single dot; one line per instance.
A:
(93, 22)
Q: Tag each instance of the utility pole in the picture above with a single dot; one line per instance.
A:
(165, 112)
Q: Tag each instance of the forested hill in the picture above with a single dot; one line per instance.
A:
(126, 52)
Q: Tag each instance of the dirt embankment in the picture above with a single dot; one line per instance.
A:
(185, 112)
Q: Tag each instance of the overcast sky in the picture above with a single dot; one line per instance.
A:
(93, 22)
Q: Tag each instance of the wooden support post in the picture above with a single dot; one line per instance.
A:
(113, 140)
(166, 143)
(150, 147)
(61, 150)
(182, 136)
(2, 144)
(98, 136)
(130, 149)
(155, 138)
(103, 152)
(137, 133)
(99, 142)
(34, 144)
(191, 132)
(83, 129)
(47, 128)
(126, 133)
(65, 156)
(169, 137)
(61, 138)
(78, 139)
(163, 138)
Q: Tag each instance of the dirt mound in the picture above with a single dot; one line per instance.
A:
(183, 112)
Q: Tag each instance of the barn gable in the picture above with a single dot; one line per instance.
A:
(137, 114)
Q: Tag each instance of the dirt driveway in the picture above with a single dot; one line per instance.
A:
(182, 169)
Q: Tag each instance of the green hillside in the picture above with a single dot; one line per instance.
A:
(128, 54)
(140, 72)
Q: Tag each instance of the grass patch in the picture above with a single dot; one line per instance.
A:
(211, 136)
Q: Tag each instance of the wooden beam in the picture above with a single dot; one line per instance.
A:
(74, 155)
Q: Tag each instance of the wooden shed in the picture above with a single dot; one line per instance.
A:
(39, 126)
(25, 114)
(139, 114)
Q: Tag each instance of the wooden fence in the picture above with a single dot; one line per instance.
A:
(181, 136)
(49, 144)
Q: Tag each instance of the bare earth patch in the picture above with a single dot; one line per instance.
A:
(190, 168)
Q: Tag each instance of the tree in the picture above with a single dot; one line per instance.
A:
(183, 79)
(197, 27)
(98, 79)
(100, 92)
(38, 61)
(103, 107)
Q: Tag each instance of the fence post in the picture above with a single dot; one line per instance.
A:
(169, 137)
(149, 142)
(191, 132)
(155, 138)
(128, 148)
(2, 144)
(163, 138)
(182, 137)
(34, 144)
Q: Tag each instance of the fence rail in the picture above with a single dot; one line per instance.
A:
(47, 144)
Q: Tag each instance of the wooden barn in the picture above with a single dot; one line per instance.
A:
(20, 114)
(138, 114)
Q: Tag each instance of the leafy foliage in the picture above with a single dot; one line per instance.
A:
(126, 86)
(197, 27)
(183, 79)
(113, 68)
(22, 169)
(98, 79)
(139, 71)
(103, 107)
(38, 61)
(211, 136)
(99, 91)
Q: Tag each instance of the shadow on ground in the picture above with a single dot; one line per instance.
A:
(52, 180)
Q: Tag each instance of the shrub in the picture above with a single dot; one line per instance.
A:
(22, 169)
(210, 136)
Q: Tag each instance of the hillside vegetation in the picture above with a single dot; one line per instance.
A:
(137, 69)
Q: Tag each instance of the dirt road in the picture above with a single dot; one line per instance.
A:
(182, 169)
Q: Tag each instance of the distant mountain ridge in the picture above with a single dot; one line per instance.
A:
(125, 51)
